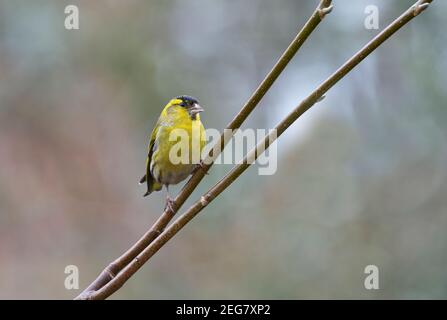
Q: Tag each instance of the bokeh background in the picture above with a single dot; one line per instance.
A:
(362, 177)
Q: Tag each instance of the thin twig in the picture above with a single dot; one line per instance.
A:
(116, 266)
(307, 103)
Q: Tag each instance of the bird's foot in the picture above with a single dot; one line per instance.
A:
(199, 166)
(169, 204)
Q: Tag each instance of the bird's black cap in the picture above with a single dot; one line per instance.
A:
(190, 100)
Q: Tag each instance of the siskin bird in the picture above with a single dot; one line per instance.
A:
(181, 113)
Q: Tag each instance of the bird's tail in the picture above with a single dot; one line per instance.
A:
(142, 181)
(151, 186)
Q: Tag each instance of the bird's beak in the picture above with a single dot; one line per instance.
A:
(195, 109)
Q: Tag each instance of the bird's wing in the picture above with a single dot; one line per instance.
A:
(152, 146)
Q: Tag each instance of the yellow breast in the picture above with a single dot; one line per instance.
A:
(177, 147)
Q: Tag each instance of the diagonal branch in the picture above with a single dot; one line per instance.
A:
(116, 266)
(306, 104)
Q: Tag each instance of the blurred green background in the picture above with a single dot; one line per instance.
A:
(362, 177)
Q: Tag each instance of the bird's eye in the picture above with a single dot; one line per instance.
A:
(183, 104)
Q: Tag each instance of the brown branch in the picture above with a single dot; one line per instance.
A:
(307, 103)
(116, 266)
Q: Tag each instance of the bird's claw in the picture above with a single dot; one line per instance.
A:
(169, 204)
(199, 166)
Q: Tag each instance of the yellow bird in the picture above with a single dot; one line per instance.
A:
(176, 144)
